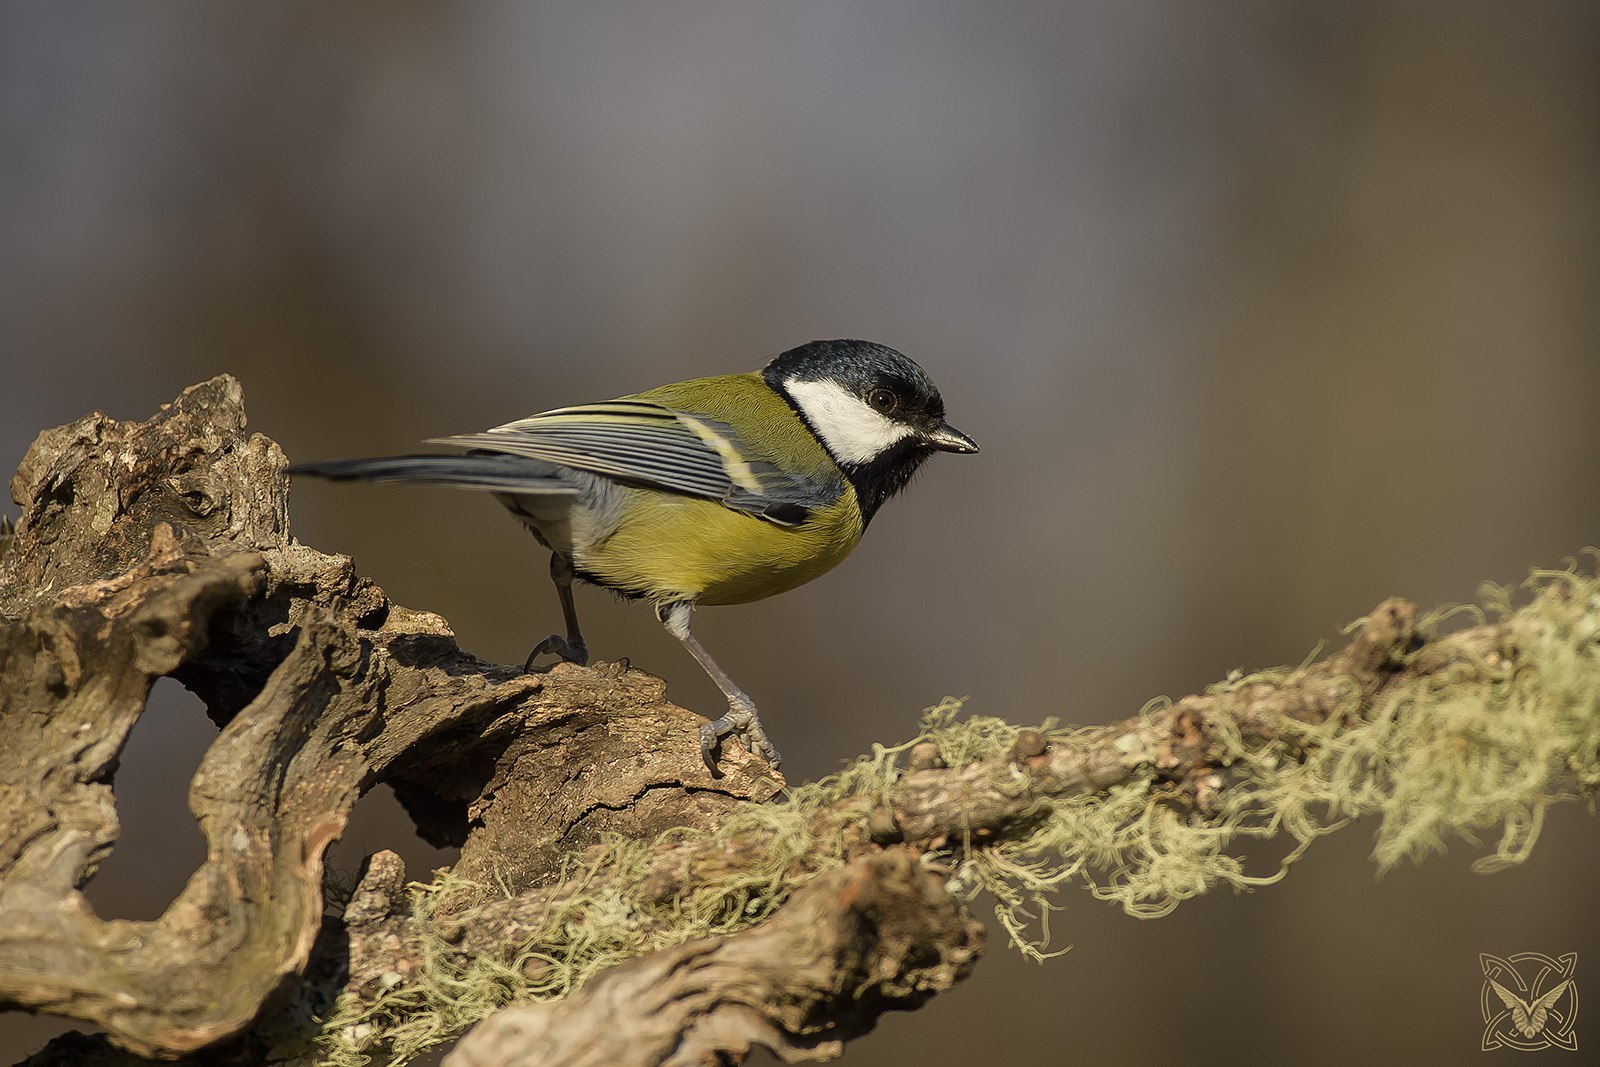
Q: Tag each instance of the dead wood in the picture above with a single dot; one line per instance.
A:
(880, 934)
(162, 548)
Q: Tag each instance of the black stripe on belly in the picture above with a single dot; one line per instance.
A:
(624, 592)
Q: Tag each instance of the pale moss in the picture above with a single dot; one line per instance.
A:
(1485, 747)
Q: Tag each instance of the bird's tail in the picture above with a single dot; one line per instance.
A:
(474, 470)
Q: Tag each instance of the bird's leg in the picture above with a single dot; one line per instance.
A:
(741, 720)
(570, 648)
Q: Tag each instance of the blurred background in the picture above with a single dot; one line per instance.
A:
(1261, 313)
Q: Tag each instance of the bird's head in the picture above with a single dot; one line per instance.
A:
(877, 413)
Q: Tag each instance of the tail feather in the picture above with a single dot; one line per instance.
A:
(485, 471)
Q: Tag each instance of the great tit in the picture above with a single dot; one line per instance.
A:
(718, 490)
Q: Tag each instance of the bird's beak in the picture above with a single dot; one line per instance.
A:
(949, 439)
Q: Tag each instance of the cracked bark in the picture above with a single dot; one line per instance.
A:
(880, 934)
(162, 548)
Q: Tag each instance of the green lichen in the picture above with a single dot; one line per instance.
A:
(1483, 746)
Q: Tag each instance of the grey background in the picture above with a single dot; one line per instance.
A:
(1261, 312)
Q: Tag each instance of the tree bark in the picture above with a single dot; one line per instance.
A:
(880, 934)
(162, 548)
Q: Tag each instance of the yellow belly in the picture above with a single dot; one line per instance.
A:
(670, 547)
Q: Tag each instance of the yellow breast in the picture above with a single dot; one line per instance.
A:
(670, 547)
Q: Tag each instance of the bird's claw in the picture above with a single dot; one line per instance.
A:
(568, 651)
(741, 723)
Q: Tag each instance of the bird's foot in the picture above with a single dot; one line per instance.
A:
(567, 651)
(742, 723)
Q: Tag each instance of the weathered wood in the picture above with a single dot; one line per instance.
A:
(162, 548)
(880, 934)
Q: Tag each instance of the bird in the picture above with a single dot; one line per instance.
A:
(712, 491)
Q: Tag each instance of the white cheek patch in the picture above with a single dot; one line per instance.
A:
(853, 432)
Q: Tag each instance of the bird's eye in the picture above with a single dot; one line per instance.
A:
(883, 401)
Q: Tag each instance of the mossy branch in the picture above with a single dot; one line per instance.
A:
(598, 858)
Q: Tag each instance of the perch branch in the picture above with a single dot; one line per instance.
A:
(879, 934)
(162, 548)
(696, 917)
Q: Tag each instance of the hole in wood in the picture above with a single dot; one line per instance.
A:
(160, 844)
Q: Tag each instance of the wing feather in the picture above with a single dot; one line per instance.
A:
(649, 444)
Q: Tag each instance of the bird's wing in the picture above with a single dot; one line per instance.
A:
(1539, 1010)
(648, 444)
